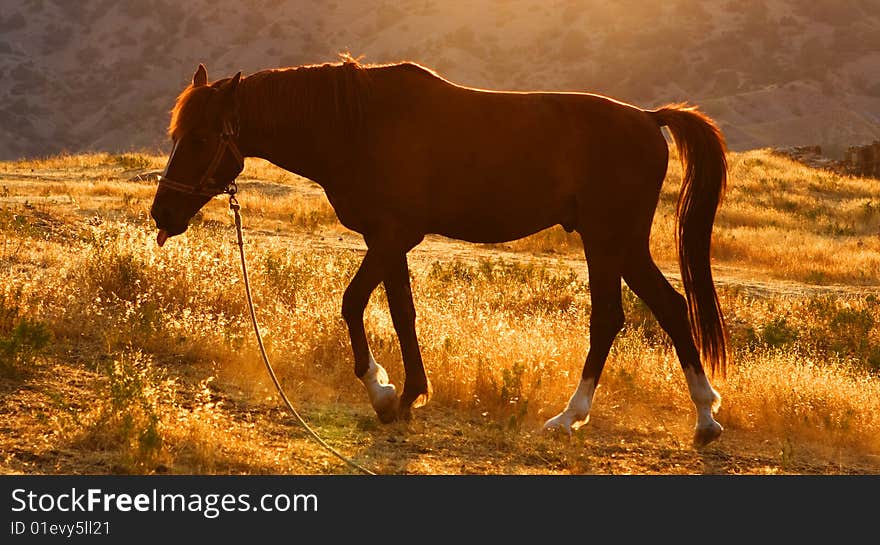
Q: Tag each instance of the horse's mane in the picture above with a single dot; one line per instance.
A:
(188, 110)
(330, 94)
(273, 99)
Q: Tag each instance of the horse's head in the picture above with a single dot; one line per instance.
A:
(205, 158)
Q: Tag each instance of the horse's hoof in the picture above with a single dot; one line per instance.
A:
(422, 399)
(565, 421)
(705, 435)
(388, 411)
(412, 400)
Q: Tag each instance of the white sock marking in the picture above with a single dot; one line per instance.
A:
(705, 398)
(380, 391)
(577, 413)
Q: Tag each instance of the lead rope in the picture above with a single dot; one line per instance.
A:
(235, 207)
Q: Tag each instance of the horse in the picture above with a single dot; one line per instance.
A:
(402, 152)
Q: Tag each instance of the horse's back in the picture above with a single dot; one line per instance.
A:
(467, 128)
(491, 166)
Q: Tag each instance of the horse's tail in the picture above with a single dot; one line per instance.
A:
(702, 151)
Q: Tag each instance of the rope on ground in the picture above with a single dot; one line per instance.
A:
(235, 207)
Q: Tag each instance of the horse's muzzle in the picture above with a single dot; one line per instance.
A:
(167, 227)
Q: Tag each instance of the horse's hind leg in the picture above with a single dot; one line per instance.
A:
(383, 395)
(606, 321)
(670, 308)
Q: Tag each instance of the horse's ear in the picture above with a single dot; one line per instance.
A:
(227, 92)
(201, 76)
(233, 83)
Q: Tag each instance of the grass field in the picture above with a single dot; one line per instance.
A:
(119, 357)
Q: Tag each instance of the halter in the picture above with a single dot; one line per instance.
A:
(207, 186)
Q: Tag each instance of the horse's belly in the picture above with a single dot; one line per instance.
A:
(496, 224)
(488, 235)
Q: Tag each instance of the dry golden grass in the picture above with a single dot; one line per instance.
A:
(176, 384)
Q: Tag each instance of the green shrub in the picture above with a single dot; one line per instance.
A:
(20, 349)
(131, 160)
(778, 333)
(128, 417)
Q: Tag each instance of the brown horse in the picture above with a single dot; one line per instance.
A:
(402, 152)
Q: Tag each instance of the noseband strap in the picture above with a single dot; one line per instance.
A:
(207, 186)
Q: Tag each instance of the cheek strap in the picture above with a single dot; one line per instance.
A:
(207, 185)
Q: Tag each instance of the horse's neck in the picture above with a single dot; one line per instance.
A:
(300, 150)
(294, 152)
(306, 141)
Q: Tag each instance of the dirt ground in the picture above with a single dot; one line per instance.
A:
(438, 441)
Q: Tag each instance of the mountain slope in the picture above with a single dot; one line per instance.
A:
(101, 75)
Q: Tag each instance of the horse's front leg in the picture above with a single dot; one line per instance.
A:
(383, 395)
(417, 388)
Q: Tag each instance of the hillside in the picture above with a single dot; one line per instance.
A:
(99, 75)
(119, 357)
